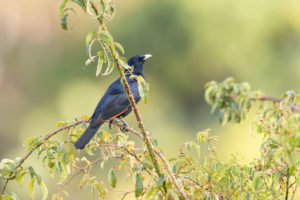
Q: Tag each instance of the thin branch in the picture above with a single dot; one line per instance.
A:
(287, 185)
(278, 100)
(47, 137)
(212, 149)
(294, 191)
(4, 187)
(125, 194)
(83, 170)
(129, 152)
(186, 177)
(161, 156)
(292, 184)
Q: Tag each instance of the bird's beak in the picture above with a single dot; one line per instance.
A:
(147, 56)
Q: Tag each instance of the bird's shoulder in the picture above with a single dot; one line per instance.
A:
(115, 88)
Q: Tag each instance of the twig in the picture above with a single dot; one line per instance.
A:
(4, 187)
(287, 185)
(161, 156)
(129, 152)
(186, 177)
(294, 191)
(212, 149)
(125, 194)
(83, 170)
(276, 99)
(47, 137)
(292, 184)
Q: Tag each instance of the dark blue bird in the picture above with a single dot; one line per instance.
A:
(114, 103)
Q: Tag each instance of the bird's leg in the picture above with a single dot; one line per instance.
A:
(124, 122)
(109, 123)
(124, 125)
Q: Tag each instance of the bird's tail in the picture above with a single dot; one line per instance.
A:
(86, 136)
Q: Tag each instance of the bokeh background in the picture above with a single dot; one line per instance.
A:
(43, 78)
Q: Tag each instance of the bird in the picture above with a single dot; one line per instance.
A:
(114, 103)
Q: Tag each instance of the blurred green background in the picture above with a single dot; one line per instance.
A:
(43, 78)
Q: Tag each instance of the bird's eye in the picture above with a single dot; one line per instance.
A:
(136, 59)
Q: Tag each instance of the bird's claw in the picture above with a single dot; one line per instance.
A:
(123, 128)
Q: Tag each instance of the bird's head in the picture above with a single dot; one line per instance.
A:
(137, 63)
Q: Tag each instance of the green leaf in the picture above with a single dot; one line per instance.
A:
(143, 88)
(105, 36)
(28, 140)
(60, 146)
(65, 15)
(255, 182)
(138, 186)
(161, 180)
(292, 170)
(58, 166)
(12, 195)
(31, 171)
(44, 190)
(110, 62)
(89, 37)
(65, 158)
(208, 95)
(123, 62)
(62, 6)
(119, 46)
(248, 196)
(61, 123)
(149, 192)
(81, 3)
(30, 187)
(112, 178)
(64, 22)
(20, 178)
(100, 63)
(112, 9)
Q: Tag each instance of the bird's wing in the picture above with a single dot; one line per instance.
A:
(117, 105)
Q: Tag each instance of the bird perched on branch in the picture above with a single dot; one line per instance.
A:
(114, 103)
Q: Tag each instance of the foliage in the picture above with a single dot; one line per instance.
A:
(274, 175)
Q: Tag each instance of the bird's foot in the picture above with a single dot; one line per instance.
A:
(123, 128)
(123, 121)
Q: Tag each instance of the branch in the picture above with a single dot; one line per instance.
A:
(4, 187)
(188, 178)
(127, 151)
(164, 160)
(47, 137)
(287, 185)
(83, 170)
(276, 99)
(294, 191)
(125, 194)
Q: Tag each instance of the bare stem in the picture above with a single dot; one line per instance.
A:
(276, 99)
(287, 185)
(83, 170)
(294, 192)
(4, 187)
(188, 178)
